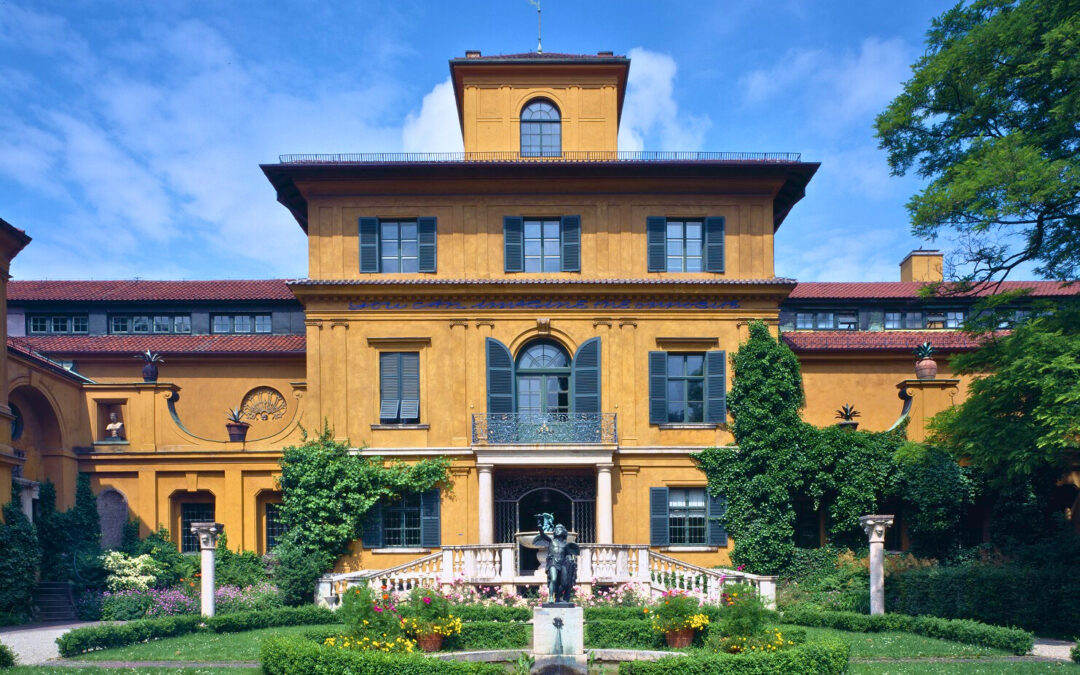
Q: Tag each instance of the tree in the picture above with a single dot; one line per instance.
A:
(991, 118)
(1022, 415)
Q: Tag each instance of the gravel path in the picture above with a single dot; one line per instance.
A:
(36, 643)
(1053, 649)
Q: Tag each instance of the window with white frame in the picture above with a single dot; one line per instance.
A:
(687, 516)
(56, 324)
(804, 320)
(894, 320)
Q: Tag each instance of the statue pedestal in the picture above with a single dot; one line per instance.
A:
(559, 638)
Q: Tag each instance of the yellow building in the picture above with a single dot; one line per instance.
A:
(550, 313)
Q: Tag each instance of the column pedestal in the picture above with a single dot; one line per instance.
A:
(208, 534)
(875, 527)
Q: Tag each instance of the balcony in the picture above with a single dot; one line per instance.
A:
(544, 428)
(566, 156)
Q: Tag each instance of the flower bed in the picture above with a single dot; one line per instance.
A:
(149, 603)
(828, 657)
(290, 656)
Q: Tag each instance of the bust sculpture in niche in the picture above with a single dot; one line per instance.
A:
(114, 430)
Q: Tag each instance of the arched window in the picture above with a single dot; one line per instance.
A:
(543, 378)
(541, 130)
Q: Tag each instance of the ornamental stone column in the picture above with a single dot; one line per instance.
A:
(875, 527)
(604, 517)
(208, 534)
(486, 499)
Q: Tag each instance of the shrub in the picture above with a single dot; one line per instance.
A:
(172, 565)
(285, 616)
(827, 657)
(125, 605)
(491, 635)
(291, 656)
(90, 638)
(744, 612)
(297, 571)
(425, 611)
(88, 606)
(1004, 595)
(229, 599)
(245, 568)
(957, 630)
(366, 643)
(7, 657)
(1074, 653)
(495, 613)
(763, 640)
(362, 612)
(676, 610)
(625, 634)
(19, 557)
(128, 573)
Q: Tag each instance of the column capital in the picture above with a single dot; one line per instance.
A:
(604, 468)
(208, 534)
(485, 468)
(875, 526)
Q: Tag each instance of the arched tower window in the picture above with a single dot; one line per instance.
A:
(541, 129)
(543, 378)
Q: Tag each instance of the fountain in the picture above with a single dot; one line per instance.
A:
(558, 625)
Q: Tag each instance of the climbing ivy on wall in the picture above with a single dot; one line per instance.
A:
(327, 492)
(780, 459)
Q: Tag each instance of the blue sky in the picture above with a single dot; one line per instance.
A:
(132, 131)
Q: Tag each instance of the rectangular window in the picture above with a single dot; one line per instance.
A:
(162, 324)
(193, 513)
(39, 324)
(182, 324)
(954, 319)
(399, 387)
(847, 321)
(401, 521)
(935, 320)
(241, 323)
(542, 246)
(684, 245)
(399, 246)
(804, 321)
(262, 323)
(60, 324)
(686, 388)
(893, 320)
(140, 324)
(121, 324)
(687, 516)
(913, 320)
(824, 321)
(275, 527)
(80, 324)
(222, 323)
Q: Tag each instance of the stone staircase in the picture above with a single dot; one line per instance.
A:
(53, 602)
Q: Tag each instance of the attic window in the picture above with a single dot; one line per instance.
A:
(541, 129)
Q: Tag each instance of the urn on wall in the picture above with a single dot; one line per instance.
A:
(847, 414)
(236, 425)
(925, 365)
(150, 365)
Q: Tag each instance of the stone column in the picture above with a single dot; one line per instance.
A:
(208, 534)
(875, 527)
(604, 518)
(486, 499)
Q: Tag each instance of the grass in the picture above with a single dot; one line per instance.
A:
(896, 645)
(68, 670)
(988, 668)
(197, 647)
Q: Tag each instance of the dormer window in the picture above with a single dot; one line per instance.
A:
(541, 130)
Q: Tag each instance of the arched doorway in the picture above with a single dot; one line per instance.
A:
(567, 492)
(541, 500)
(34, 429)
(112, 508)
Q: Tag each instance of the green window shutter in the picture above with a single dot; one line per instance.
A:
(389, 386)
(717, 531)
(570, 231)
(714, 244)
(369, 244)
(657, 387)
(430, 525)
(410, 387)
(586, 376)
(500, 377)
(373, 529)
(716, 387)
(656, 243)
(426, 229)
(659, 523)
(513, 244)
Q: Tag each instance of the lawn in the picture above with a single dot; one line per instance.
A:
(988, 668)
(896, 645)
(201, 647)
(68, 670)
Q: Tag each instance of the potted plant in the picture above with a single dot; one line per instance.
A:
(847, 414)
(677, 615)
(925, 365)
(236, 425)
(150, 367)
(426, 617)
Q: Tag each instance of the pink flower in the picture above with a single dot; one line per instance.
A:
(427, 601)
(740, 568)
(378, 609)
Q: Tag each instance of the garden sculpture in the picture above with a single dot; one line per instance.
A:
(561, 558)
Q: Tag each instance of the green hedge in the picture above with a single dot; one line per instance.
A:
(1074, 654)
(493, 613)
(477, 635)
(7, 657)
(636, 613)
(1044, 600)
(826, 657)
(627, 634)
(292, 656)
(91, 638)
(958, 630)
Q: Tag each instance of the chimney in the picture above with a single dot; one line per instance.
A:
(922, 265)
(472, 54)
(605, 53)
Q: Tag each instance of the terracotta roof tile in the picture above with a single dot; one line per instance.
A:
(541, 281)
(21, 350)
(877, 341)
(538, 56)
(164, 344)
(891, 290)
(135, 290)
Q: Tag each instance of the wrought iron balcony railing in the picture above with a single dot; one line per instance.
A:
(567, 156)
(543, 428)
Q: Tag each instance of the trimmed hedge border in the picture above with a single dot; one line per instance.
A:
(626, 634)
(290, 656)
(92, 638)
(492, 613)
(966, 631)
(478, 635)
(825, 657)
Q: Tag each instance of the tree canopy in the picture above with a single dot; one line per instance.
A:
(991, 118)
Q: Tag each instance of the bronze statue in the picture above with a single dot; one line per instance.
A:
(561, 563)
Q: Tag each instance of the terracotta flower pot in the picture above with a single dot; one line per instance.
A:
(926, 369)
(149, 372)
(679, 638)
(431, 642)
(237, 431)
(848, 425)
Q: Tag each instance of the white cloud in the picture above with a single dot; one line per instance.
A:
(650, 112)
(435, 128)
